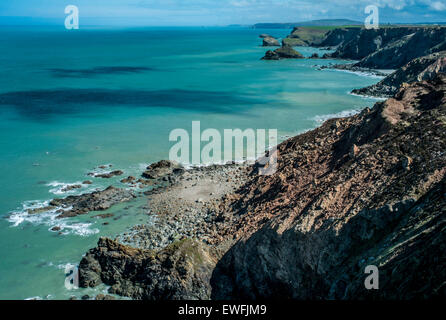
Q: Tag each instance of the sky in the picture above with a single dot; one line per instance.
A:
(216, 12)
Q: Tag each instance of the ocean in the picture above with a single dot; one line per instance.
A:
(73, 100)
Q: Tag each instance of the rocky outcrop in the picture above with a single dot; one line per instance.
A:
(108, 175)
(181, 271)
(285, 52)
(270, 42)
(96, 201)
(344, 197)
(163, 170)
(424, 68)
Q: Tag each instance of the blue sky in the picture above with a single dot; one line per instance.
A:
(216, 12)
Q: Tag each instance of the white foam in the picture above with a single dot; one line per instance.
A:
(49, 218)
(34, 298)
(58, 187)
(343, 114)
(364, 96)
(370, 74)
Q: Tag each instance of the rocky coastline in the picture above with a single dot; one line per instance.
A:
(367, 189)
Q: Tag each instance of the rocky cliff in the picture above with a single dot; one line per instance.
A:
(181, 271)
(359, 191)
(389, 48)
(419, 69)
(364, 190)
(338, 36)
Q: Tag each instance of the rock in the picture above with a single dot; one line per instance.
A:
(129, 179)
(406, 163)
(354, 151)
(163, 169)
(95, 201)
(264, 35)
(285, 52)
(314, 56)
(109, 174)
(87, 182)
(104, 297)
(270, 42)
(85, 297)
(181, 271)
(56, 228)
(41, 210)
(71, 187)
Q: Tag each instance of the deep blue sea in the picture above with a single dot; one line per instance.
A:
(72, 100)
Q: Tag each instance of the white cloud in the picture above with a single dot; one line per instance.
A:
(438, 6)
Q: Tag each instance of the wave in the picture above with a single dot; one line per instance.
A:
(367, 96)
(60, 188)
(49, 218)
(343, 114)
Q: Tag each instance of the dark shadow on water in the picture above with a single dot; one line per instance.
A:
(96, 71)
(43, 104)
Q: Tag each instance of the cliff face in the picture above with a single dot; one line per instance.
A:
(419, 69)
(339, 36)
(181, 271)
(390, 48)
(365, 190)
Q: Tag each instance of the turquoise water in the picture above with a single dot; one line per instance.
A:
(73, 100)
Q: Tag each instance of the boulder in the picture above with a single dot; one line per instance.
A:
(270, 42)
(163, 169)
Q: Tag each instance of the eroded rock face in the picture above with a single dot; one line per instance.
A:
(391, 48)
(339, 36)
(95, 201)
(424, 68)
(309, 231)
(285, 52)
(181, 271)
